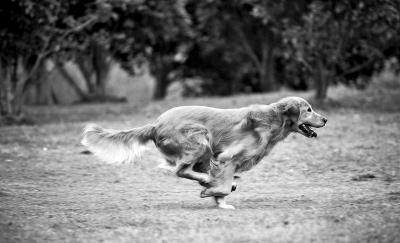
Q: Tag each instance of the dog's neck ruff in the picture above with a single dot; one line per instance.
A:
(268, 139)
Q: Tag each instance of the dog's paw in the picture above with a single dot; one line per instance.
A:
(226, 206)
(209, 184)
(214, 192)
(204, 193)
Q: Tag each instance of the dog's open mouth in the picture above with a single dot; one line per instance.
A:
(307, 131)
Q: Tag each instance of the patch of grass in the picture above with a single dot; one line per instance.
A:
(304, 191)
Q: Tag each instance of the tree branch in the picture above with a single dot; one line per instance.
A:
(41, 56)
(249, 51)
(79, 27)
(357, 68)
(46, 50)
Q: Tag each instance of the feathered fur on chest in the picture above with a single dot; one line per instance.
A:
(257, 138)
(252, 155)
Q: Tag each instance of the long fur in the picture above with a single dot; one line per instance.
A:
(116, 147)
(194, 134)
(207, 144)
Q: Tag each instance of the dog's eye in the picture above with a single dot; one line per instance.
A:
(309, 109)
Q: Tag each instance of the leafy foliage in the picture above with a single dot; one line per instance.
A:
(31, 31)
(242, 39)
(234, 46)
(145, 31)
(343, 41)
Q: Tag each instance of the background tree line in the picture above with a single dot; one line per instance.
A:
(232, 46)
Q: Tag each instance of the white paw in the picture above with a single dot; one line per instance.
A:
(226, 206)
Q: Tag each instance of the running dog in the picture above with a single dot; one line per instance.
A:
(209, 145)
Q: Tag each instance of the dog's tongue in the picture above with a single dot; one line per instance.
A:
(313, 134)
(310, 133)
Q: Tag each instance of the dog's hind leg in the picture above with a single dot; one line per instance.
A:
(196, 148)
(222, 180)
(186, 171)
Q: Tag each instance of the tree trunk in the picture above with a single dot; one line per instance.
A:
(43, 86)
(12, 84)
(102, 67)
(160, 89)
(20, 80)
(322, 80)
(160, 70)
(71, 81)
(267, 75)
(5, 91)
(85, 64)
(96, 66)
(267, 67)
(264, 63)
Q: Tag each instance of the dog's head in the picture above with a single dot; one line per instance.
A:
(299, 116)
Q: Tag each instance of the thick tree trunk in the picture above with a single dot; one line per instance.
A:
(96, 66)
(160, 89)
(102, 66)
(13, 80)
(44, 93)
(160, 70)
(20, 79)
(85, 64)
(43, 84)
(322, 81)
(264, 62)
(267, 67)
(267, 76)
(321, 91)
(5, 91)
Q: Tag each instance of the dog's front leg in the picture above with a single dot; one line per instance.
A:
(221, 203)
(222, 179)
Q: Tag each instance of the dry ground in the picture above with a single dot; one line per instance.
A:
(342, 187)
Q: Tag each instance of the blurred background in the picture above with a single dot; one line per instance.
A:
(121, 63)
(55, 52)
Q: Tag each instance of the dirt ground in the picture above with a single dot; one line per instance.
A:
(343, 186)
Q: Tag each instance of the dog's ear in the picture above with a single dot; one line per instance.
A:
(290, 112)
(252, 120)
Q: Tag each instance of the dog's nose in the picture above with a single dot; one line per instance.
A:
(324, 120)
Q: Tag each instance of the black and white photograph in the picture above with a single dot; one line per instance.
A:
(200, 121)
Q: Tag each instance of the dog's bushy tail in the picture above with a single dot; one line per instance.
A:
(114, 146)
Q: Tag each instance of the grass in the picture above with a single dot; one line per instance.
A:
(342, 187)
